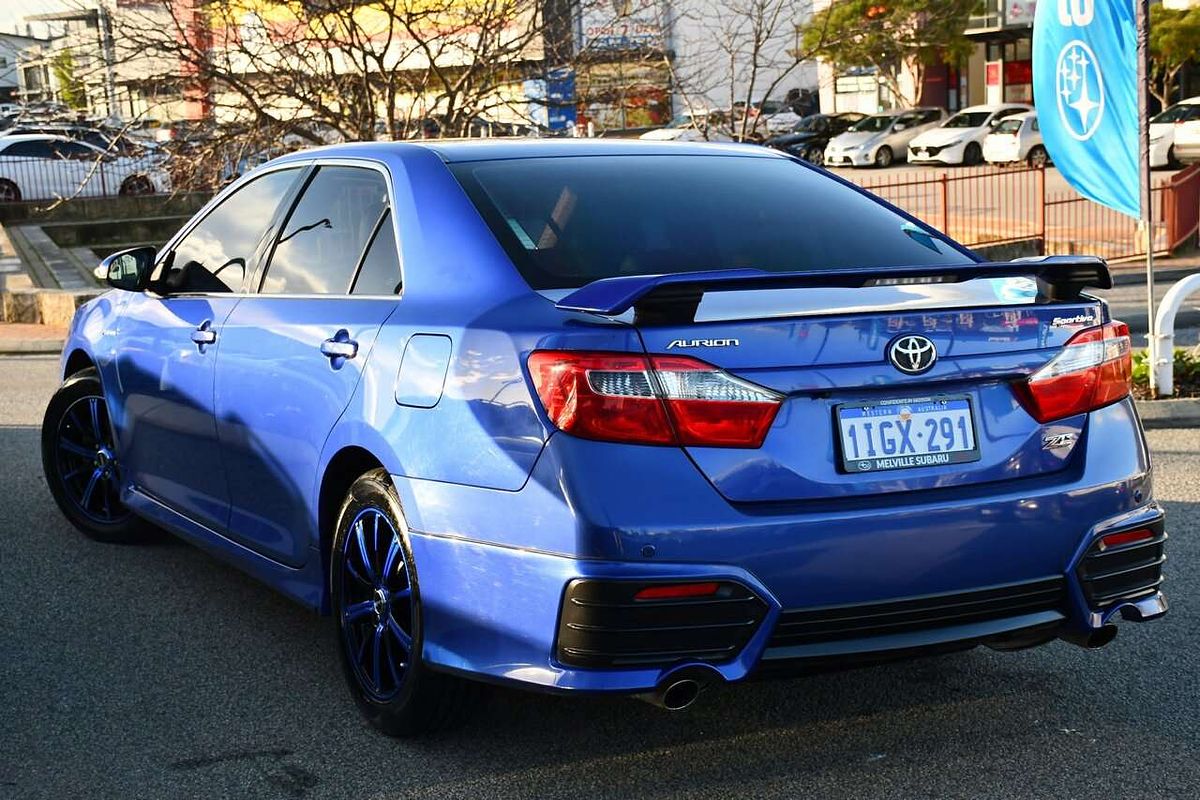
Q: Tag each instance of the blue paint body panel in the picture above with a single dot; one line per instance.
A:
(229, 445)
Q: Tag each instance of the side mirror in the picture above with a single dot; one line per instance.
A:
(128, 270)
(899, 126)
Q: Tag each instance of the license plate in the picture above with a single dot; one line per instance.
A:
(907, 433)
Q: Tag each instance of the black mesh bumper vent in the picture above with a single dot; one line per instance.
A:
(604, 625)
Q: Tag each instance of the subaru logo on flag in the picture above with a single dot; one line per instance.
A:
(1085, 90)
(1080, 90)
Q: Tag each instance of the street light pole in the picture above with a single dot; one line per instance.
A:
(1143, 55)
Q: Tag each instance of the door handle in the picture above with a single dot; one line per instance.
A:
(204, 335)
(339, 348)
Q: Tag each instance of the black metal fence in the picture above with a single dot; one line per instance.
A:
(57, 177)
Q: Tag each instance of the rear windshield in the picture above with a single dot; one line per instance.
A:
(567, 221)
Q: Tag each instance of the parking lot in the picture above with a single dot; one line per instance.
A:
(159, 672)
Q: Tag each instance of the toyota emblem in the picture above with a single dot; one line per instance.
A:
(912, 354)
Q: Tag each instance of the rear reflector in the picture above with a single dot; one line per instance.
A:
(671, 400)
(678, 591)
(1126, 537)
(1094, 369)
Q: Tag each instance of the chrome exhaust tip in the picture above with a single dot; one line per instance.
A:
(675, 693)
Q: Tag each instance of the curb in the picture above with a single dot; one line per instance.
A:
(31, 347)
(1180, 413)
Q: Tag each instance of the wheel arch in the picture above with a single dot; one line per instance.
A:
(78, 360)
(346, 466)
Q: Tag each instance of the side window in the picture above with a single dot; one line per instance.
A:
(215, 254)
(75, 151)
(1036, 127)
(380, 271)
(929, 115)
(325, 236)
(33, 149)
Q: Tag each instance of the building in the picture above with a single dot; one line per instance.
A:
(641, 62)
(11, 47)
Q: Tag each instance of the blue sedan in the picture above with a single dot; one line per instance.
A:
(623, 417)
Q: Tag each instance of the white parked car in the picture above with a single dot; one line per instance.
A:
(1016, 138)
(44, 167)
(698, 126)
(881, 138)
(959, 140)
(1163, 129)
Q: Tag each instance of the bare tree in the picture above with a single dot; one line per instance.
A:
(738, 52)
(360, 68)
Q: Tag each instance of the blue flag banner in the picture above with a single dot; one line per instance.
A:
(1085, 90)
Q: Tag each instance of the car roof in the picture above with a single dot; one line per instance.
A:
(991, 107)
(461, 150)
(1189, 101)
(36, 137)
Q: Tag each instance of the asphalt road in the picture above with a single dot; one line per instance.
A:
(158, 672)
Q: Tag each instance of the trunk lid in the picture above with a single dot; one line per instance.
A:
(826, 349)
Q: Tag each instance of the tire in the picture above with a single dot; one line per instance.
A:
(9, 192)
(884, 157)
(1037, 157)
(815, 155)
(136, 186)
(80, 464)
(972, 155)
(376, 601)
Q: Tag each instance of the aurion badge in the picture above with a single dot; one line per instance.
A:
(912, 354)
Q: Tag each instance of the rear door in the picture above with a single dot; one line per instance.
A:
(292, 353)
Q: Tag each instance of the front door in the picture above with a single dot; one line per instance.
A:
(292, 355)
(167, 347)
(167, 350)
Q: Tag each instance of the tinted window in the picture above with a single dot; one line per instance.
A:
(214, 256)
(873, 124)
(1179, 113)
(380, 272)
(30, 150)
(570, 220)
(326, 233)
(1035, 126)
(973, 119)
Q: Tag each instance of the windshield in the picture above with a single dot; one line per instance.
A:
(683, 121)
(971, 119)
(570, 220)
(1009, 126)
(1180, 113)
(874, 124)
(814, 123)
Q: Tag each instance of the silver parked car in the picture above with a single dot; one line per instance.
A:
(881, 138)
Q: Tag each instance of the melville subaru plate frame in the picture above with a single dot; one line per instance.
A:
(907, 460)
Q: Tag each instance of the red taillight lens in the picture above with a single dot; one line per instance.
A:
(678, 591)
(1125, 537)
(623, 397)
(1094, 369)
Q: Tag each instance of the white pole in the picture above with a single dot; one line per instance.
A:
(1143, 52)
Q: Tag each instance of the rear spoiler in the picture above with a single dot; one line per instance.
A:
(660, 298)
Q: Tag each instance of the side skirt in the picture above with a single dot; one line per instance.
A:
(305, 585)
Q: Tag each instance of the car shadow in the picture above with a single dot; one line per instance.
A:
(219, 678)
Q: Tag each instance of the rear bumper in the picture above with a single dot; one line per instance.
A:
(494, 566)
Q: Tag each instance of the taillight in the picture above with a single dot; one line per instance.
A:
(671, 400)
(1094, 369)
